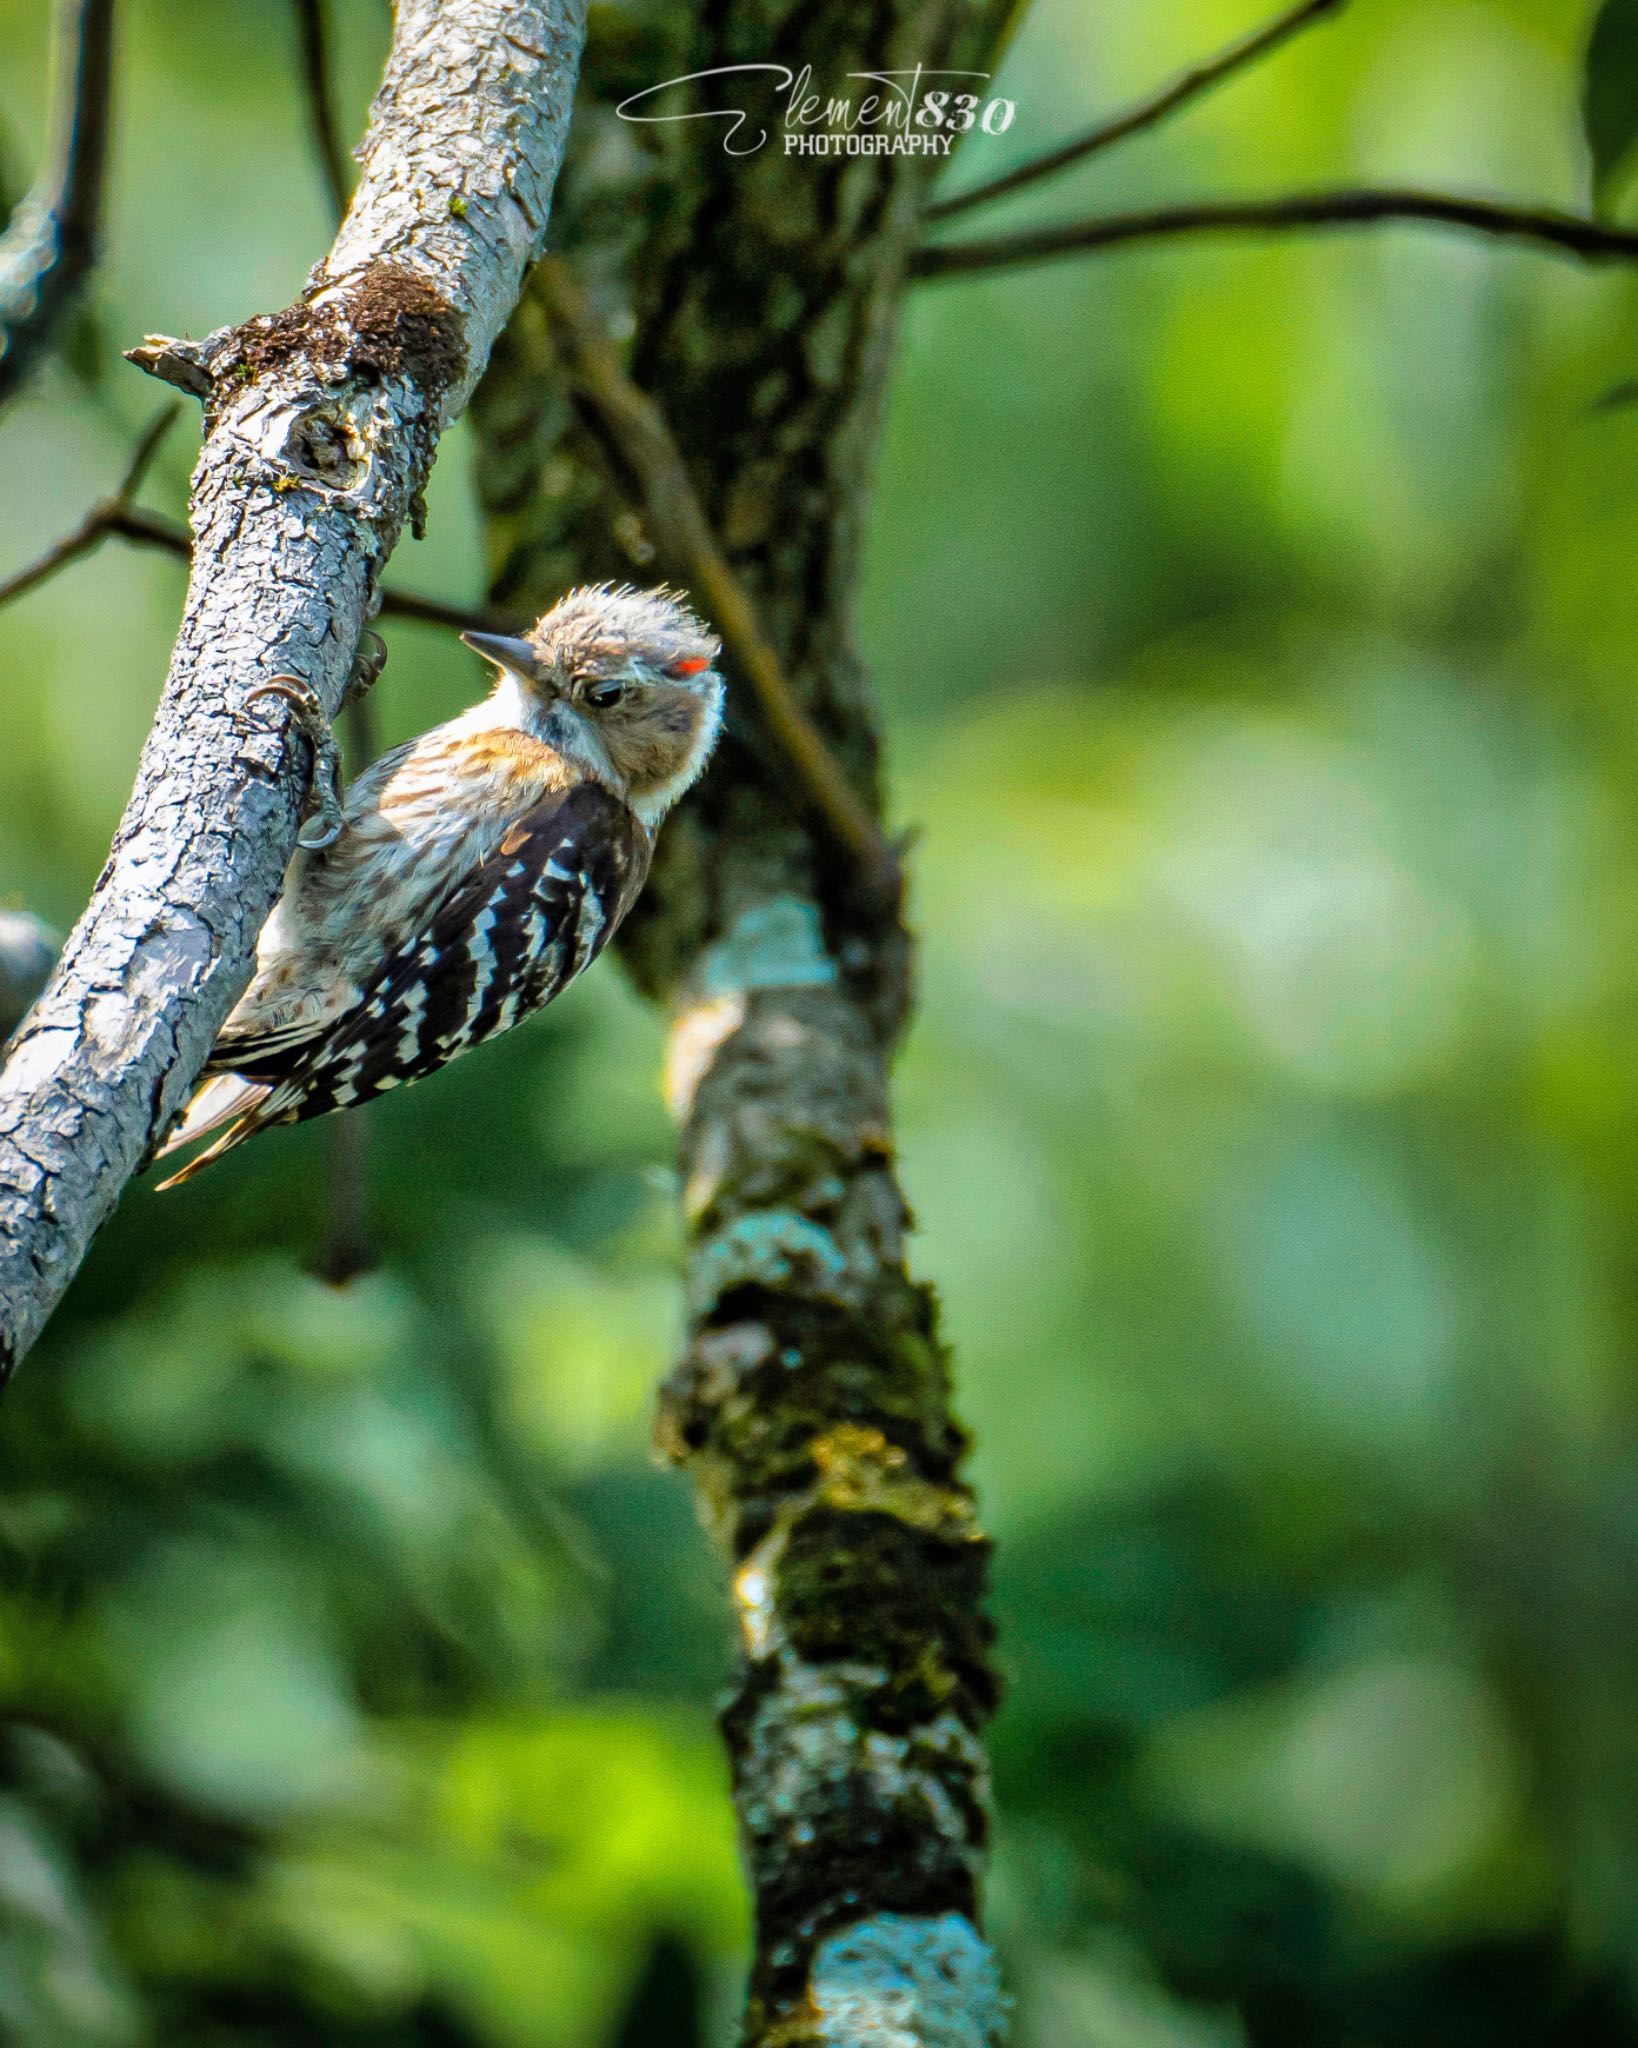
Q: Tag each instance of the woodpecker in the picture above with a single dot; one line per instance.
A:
(476, 870)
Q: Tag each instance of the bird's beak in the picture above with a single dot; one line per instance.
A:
(517, 656)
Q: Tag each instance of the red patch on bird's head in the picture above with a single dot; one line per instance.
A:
(690, 665)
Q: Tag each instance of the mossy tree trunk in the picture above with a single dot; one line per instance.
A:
(812, 1406)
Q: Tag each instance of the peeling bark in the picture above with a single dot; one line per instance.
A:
(320, 424)
(812, 1406)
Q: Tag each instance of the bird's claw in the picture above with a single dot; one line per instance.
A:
(368, 663)
(321, 826)
(322, 822)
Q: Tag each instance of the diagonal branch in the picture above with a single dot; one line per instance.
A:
(636, 431)
(320, 425)
(1172, 98)
(49, 247)
(1542, 227)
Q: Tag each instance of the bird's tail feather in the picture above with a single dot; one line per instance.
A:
(225, 1099)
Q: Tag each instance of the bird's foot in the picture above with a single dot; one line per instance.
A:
(322, 818)
(321, 823)
(368, 663)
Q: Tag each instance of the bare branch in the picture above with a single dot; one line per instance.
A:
(50, 245)
(175, 361)
(149, 443)
(116, 519)
(1563, 234)
(637, 434)
(100, 521)
(1171, 99)
(321, 424)
(312, 29)
(460, 618)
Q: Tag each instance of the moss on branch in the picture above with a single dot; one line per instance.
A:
(812, 1405)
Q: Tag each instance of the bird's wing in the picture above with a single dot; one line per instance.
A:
(508, 937)
(273, 1054)
(504, 942)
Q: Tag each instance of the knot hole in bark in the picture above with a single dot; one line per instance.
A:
(325, 447)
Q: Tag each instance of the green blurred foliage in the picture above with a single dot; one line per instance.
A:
(1609, 93)
(1255, 635)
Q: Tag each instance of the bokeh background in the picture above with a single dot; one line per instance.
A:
(1256, 631)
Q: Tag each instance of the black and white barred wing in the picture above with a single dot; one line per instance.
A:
(508, 939)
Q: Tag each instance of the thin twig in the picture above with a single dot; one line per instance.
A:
(682, 533)
(147, 447)
(91, 532)
(312, 29)
(114, 518)
(435, 611)
(1182, 92)
(50, 244)
(1566, 234)
(105, 517)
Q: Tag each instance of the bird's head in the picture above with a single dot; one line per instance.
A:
(621, 681)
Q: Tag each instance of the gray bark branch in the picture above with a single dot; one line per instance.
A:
(320, 425)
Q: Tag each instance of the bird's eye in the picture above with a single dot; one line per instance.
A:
(604, 696)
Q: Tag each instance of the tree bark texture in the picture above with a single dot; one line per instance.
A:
(812, 1405)
(320, 426)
